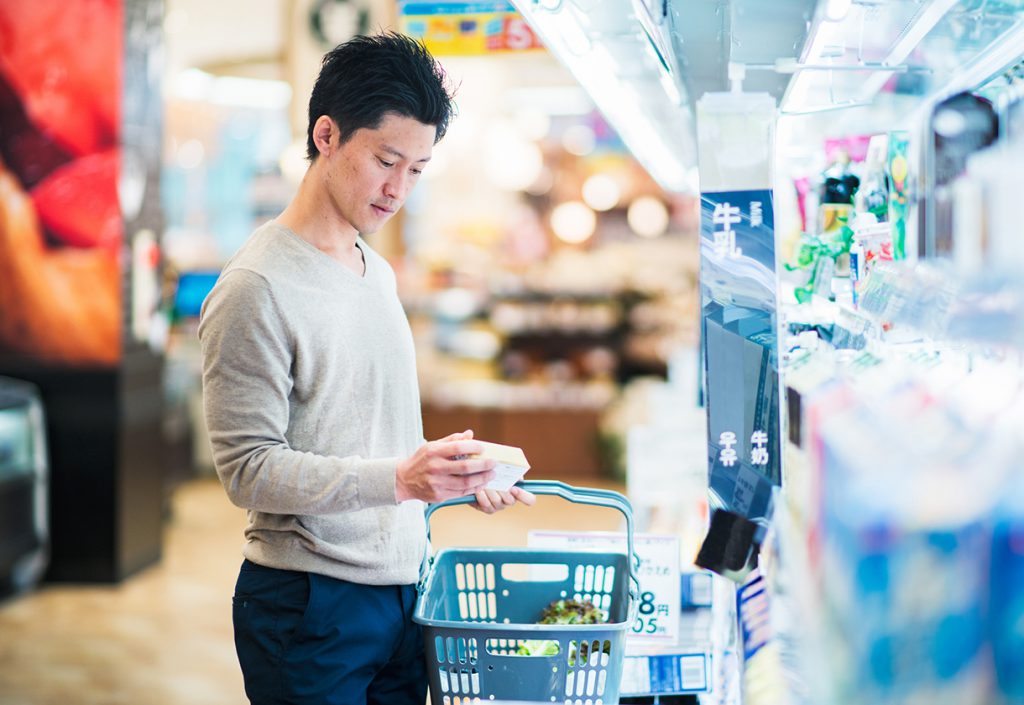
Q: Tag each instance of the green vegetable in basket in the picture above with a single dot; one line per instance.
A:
(537, 647)
(561, 612)
(572, 612)
(585, 652)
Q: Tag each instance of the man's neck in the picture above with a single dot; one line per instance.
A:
(308, 215)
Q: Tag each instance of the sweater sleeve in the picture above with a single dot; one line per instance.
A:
(247, 359)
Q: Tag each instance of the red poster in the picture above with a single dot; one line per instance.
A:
(60, 219)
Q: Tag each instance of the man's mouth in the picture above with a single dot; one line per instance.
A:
(383, 210)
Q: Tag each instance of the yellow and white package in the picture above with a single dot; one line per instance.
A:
(511, 465)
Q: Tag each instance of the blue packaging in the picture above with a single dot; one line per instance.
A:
(905, 570)
(1006, 597)
(914, 623)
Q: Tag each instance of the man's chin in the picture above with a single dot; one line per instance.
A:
(375, 224)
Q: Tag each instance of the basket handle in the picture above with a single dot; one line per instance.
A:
(577, 495)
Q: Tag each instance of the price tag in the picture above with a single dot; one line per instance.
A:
(657, 620)
(696, 590)
(746, 487)
(666, 674)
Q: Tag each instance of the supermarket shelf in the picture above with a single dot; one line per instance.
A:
(645, 63)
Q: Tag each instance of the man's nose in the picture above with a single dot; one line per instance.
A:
(397, 187)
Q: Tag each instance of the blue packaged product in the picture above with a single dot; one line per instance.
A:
(1006, 598)
(914, 624)
(904, 576)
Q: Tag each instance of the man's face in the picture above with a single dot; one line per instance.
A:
(370, 176)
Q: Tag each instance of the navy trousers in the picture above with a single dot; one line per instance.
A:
(306, 639)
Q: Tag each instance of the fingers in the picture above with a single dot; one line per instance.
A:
(476, 482)
(457, 449)
(470, 466)
(524, 496)
(507, 499)
(461, 436)
(491, 501)
(454, 485)
(484, 503)
(442, 464)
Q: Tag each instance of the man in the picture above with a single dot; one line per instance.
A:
(313, 407)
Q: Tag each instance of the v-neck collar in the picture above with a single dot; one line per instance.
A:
(360, 244)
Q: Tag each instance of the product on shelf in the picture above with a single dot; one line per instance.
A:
(899, 190)
(1006, 603)
(873, 195)
(872, 243)
(960, 126)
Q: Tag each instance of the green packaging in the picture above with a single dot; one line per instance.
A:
(899, 171)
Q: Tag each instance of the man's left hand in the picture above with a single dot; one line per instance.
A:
(491, 501)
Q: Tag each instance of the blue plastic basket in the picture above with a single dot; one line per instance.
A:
(477, 605)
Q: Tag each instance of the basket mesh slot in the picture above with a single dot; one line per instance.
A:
(456, 650)
(588, 668)
(459, 680)
(595, 583)
(510, 647)
(475, 584)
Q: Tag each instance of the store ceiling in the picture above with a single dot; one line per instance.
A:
(708, 34)
(237, 37)
(208, 36)
(927, 43)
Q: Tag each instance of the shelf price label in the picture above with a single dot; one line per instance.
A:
(666, 674)
(657, 620)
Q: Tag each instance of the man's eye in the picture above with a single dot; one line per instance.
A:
(385, 164)
(417, 172)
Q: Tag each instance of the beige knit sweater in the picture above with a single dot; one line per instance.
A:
(311, 397)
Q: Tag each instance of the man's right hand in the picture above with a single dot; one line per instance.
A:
(444, 469)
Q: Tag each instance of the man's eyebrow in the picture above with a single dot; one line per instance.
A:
(392, 150)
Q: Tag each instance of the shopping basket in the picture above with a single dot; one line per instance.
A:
(479, 606)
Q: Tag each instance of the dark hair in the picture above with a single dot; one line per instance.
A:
(368, 76)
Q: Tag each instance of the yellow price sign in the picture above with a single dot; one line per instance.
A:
(467, 28)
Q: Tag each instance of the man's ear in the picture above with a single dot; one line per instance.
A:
(324, 131)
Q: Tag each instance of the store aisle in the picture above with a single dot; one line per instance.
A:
(164, 636)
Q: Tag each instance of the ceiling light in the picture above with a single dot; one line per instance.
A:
(573, 222)
(837, 10)
(647, 217)
(542, 184)
(601, 192)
